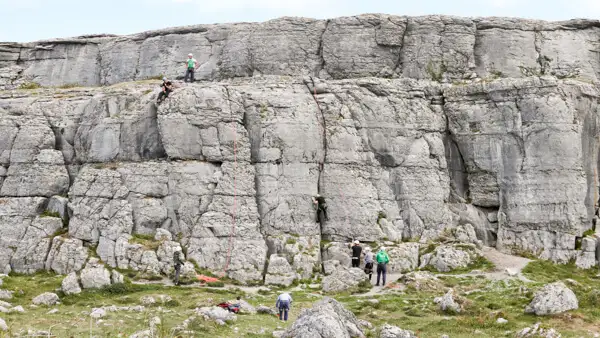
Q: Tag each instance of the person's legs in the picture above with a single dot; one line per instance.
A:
(285, 313)
(280, 312)
(187, 74)
(384, 271)
(192, 71)
(177, 269)
(160, 96)
(378, 274)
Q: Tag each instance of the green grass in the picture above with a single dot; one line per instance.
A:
(290, 241)
(48, 213)
(29, 85)
(147, 241)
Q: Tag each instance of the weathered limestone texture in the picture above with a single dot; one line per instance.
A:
(412, 128)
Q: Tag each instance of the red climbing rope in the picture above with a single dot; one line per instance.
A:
(233, 211)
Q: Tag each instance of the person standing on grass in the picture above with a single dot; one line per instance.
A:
(192, 65)
(382, 259)
(178, 261)
(283, 304)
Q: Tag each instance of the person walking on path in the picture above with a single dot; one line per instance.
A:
(178, 260)
(283, 304)
(356, 251)
(382, 259)
(192, 65)
(369, 262)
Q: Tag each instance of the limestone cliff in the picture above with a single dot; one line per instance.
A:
(408, 126)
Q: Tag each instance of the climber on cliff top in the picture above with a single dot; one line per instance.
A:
(319, 203)
(192, 65)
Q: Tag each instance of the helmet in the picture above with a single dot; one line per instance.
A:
(165, 78)
(190, 55)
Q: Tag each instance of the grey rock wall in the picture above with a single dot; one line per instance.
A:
(344, 107)
(370, 45)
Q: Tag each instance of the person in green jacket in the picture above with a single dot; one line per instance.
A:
(192, 65)
(382, 259)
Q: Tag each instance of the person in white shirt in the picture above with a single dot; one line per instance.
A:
(283, 304)
(369, 262)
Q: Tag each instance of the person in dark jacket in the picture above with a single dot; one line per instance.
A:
(165, 89)
(178, 261)
(356, 252)
(319, 202)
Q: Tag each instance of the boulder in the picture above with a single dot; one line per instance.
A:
(98, 313)
(552, 299)
(403, 258)
(147, 300)
(280, 272)
(46, 298)
(447, 303)
(326, 319)
(5, 294)
(3, 326)
(266, 310)
(421, 280)
(446, 258)
(70, 284)
(536, 331)
(94, 275)
(389, 331)
(18, 309)
(116, 277)
(216, 313)
(163, 235)
(344, 279)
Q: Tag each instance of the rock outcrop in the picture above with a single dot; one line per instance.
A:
(344, 279)
(390, 331)
(407, 126)
(326, 319)
(552, 299)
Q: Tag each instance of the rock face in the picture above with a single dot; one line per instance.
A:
(552, 299)
(408, 127)
(326, 319)
(94, 275)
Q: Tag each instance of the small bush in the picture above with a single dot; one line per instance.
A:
(589, 233)
(147, 241)
(30, 85)
(48, 213)
(172, 303)
(69, 85)
(290, 241)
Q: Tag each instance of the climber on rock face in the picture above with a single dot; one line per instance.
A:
(165, 89)
(319, 203)
(192, 65)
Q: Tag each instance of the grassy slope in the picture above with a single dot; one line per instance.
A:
(485, 301)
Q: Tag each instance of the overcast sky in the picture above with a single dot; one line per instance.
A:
(30, 20)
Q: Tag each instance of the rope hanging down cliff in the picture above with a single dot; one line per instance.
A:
(233, 211)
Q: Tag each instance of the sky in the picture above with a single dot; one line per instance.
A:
(31, 20)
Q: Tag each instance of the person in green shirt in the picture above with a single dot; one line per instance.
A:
(192, 65)
(382, 259)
